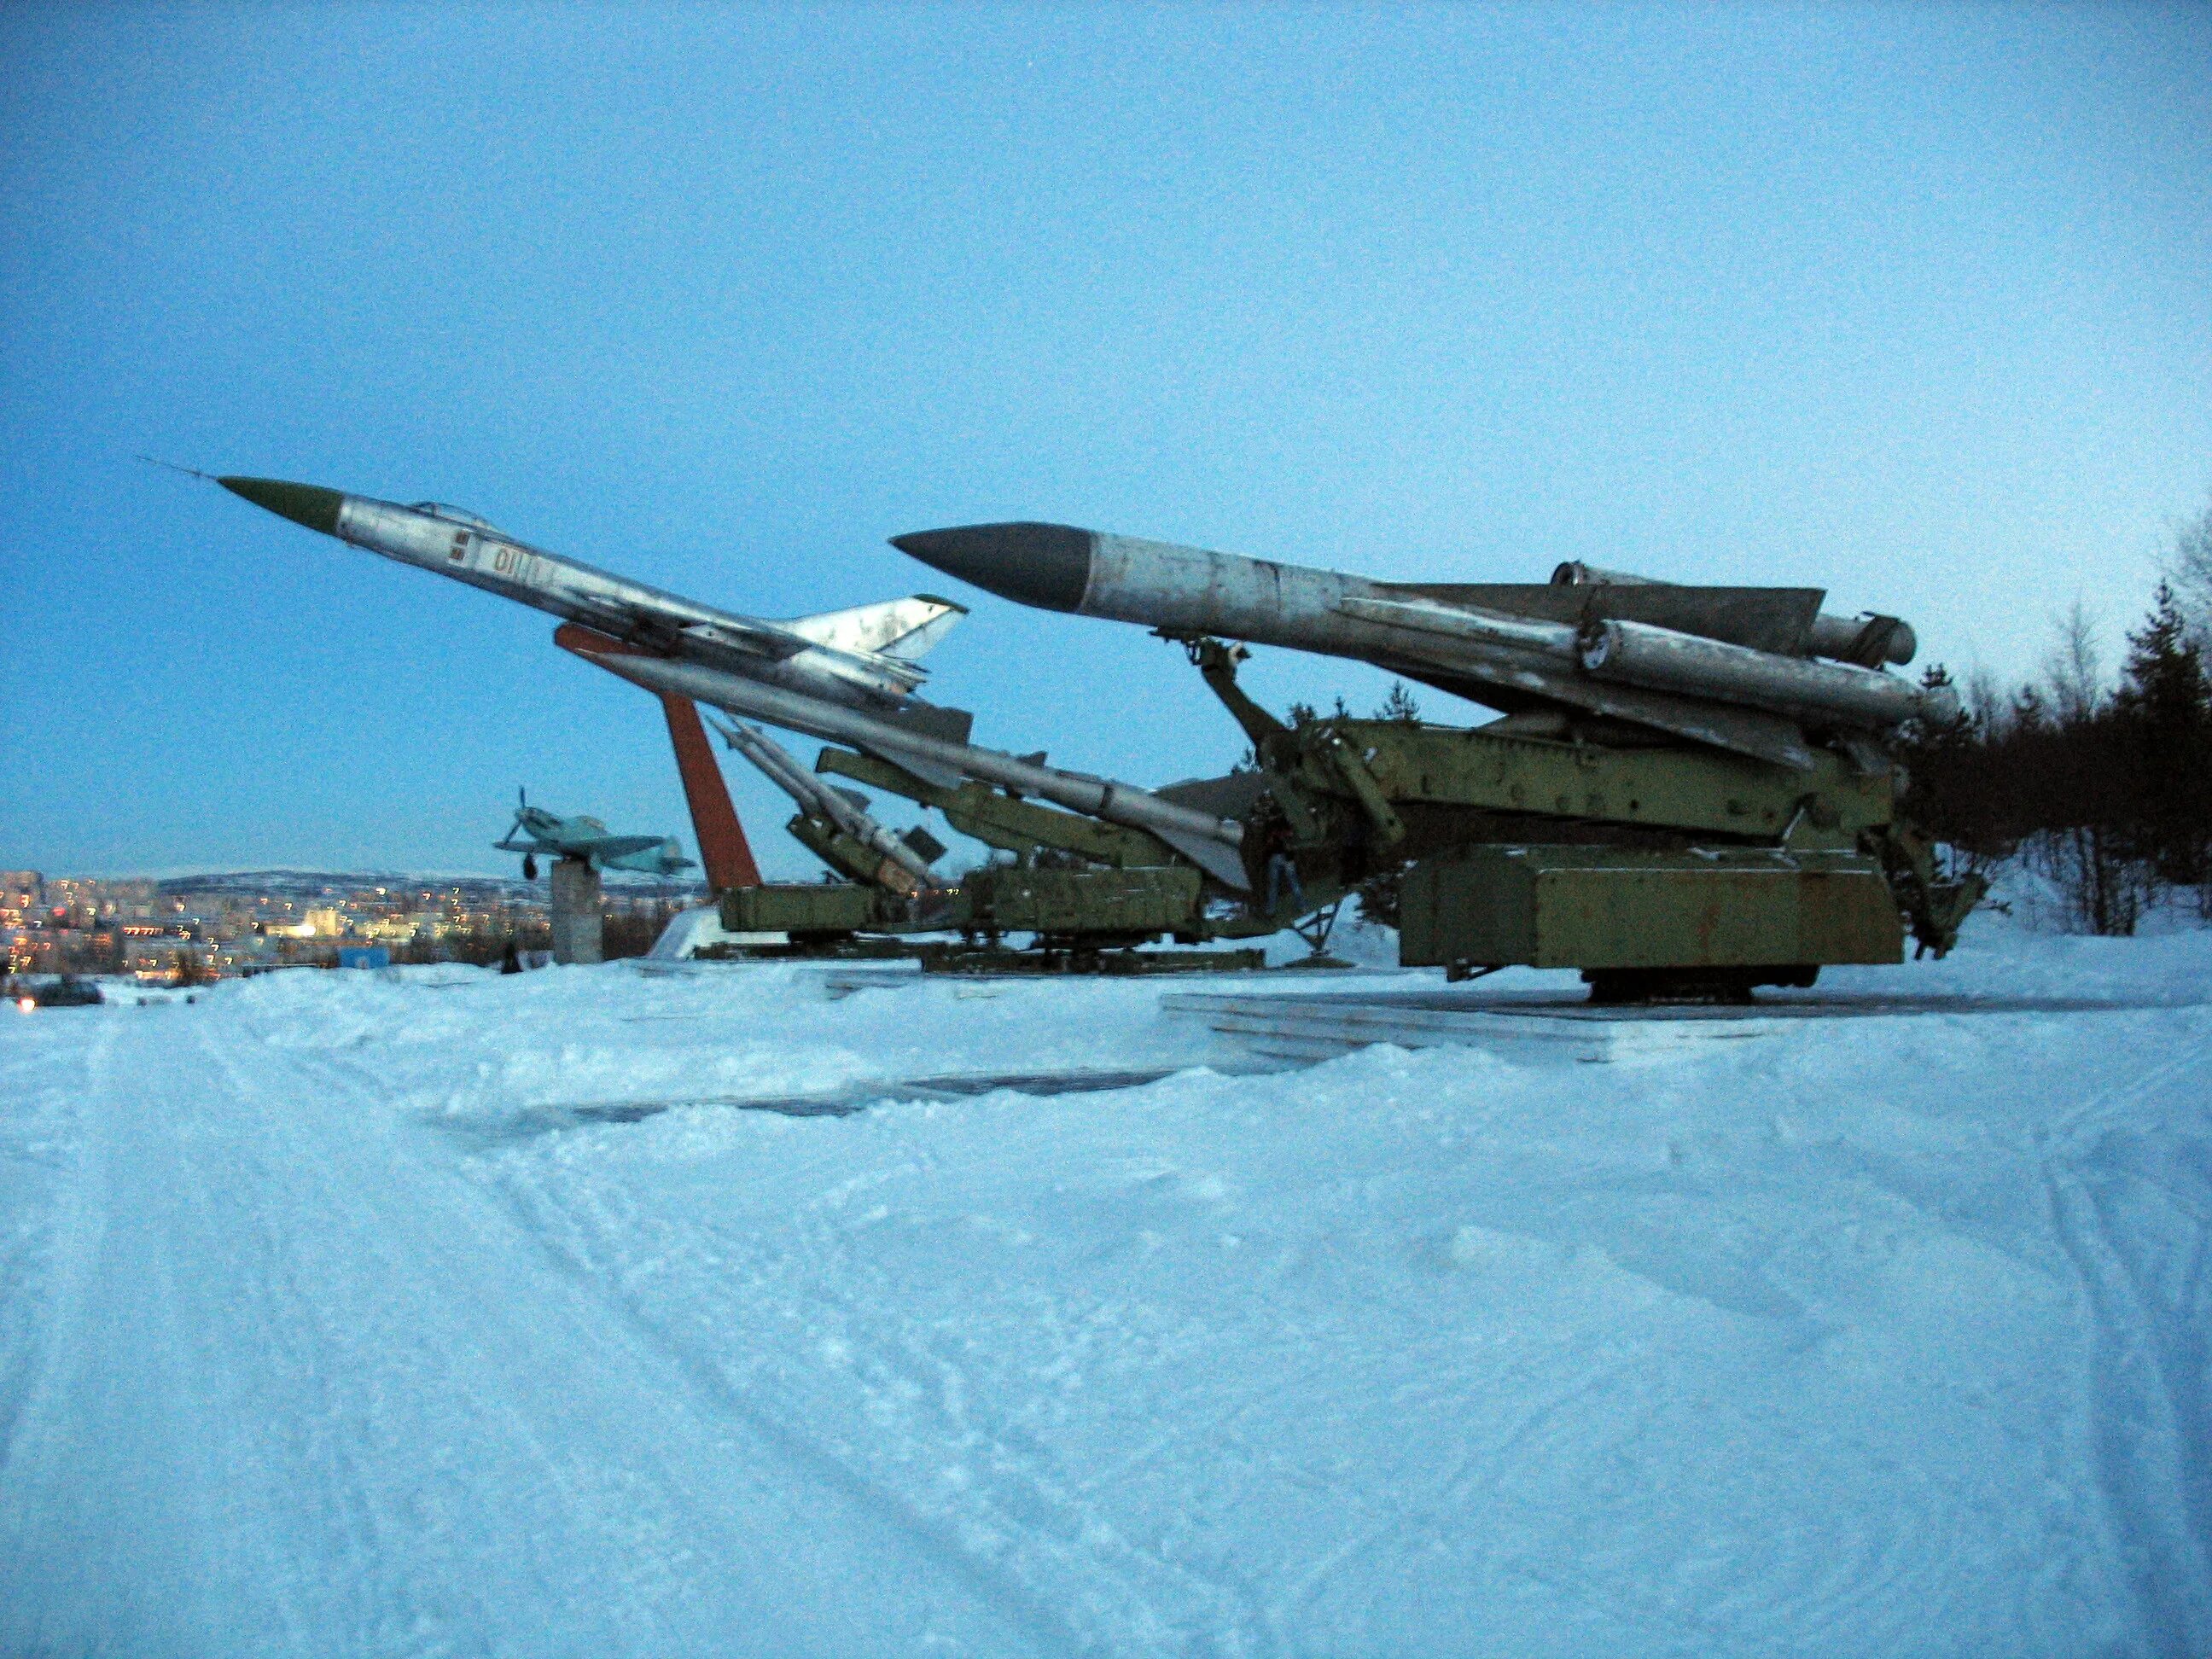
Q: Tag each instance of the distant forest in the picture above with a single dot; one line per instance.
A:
(2098, 782)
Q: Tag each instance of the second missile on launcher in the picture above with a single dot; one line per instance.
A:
(894, 862)
(1206, 838)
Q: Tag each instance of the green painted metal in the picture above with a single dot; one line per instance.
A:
(1647, 865)
(851, 859)
(810, 908)
(1002, 821)
(1348, 759)
(986, 962)
(834, 848)
(1697, 791)
(1111, 902)
(1098, 903)
(1611, 908)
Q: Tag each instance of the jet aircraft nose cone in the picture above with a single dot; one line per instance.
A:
(307, 504)
(1047, 565)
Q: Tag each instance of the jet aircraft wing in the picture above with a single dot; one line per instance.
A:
(733, 641)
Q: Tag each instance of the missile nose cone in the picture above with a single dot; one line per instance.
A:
(307, 504)
(1047, 565)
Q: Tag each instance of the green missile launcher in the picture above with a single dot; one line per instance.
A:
(1656, 868)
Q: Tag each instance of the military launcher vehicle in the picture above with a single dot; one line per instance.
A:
(1088, 895)
(1691, 791)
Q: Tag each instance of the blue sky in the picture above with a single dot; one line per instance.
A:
(1911, 303)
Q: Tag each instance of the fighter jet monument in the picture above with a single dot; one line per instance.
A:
(864, 658)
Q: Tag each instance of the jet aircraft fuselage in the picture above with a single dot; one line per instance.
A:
(862, 658)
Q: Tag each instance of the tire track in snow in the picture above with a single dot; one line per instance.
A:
(1022, 1530)
(334, 1437)
(48, 1267)
(321, 1398)
(161, 1465)
(2146, 1393)
(554, 1234)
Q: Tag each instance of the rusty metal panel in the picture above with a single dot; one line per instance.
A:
(1663, 918)
(1849, 916)
(1478, 908)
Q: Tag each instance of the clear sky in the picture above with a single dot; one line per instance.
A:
(1911, 303)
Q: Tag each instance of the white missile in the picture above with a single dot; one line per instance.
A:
(908, 871)
(1514, 646)
(1662, 660)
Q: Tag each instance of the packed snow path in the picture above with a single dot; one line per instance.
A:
(326, 1327)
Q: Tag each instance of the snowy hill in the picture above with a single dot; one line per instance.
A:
(355, 1314)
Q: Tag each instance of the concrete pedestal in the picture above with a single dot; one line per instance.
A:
(575, 911)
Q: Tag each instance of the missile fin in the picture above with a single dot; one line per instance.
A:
(932, 720)
(1217, 859)
(929, 771)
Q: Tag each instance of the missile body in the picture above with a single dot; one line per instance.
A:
(1157, 584)
(863, 657)
(825, 801)
(1208, 841)
(1513, 645)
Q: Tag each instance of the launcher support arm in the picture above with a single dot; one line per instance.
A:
(1217, 663)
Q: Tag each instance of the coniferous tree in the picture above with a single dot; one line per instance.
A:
(1946, 787)
(2189, 570)
(1399, 705)
(2164, 710)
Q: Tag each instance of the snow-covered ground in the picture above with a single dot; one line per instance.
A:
(346, 1313)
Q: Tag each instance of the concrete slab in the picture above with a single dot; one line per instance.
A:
(1545, 1026)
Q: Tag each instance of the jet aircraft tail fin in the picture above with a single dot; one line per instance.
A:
(905, 628)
